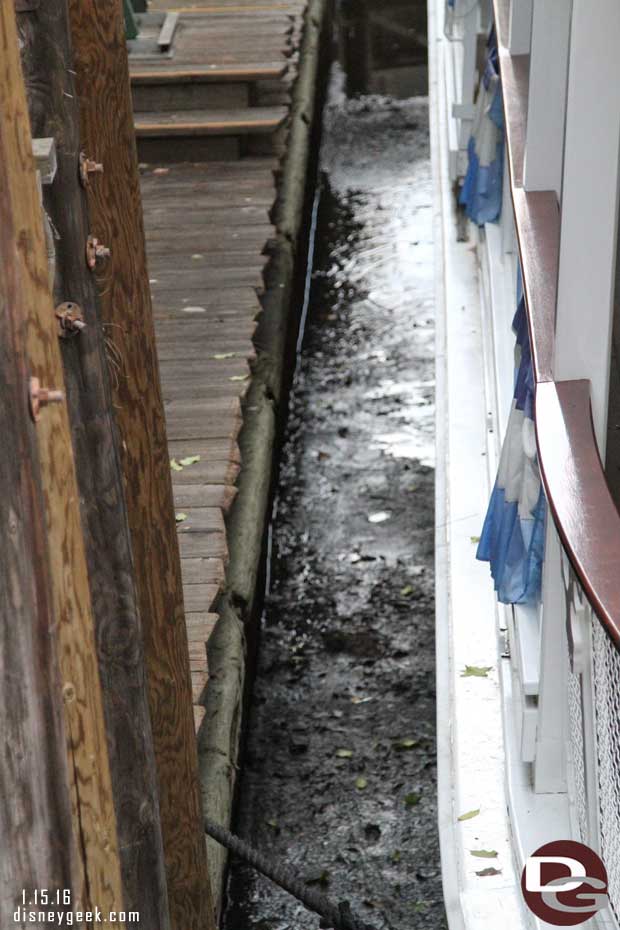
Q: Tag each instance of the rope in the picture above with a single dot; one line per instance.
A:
(335, 916)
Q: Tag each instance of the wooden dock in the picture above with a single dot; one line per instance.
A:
(211, 125)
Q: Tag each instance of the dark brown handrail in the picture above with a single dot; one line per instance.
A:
(583, 509)
(573, 476)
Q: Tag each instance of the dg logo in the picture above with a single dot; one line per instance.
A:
(564, 883)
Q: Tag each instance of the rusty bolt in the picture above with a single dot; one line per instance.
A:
(95, 251)
(88, 167)
(70, 319)
(41, 397)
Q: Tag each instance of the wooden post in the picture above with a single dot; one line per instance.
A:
(100, 61)
(54, 111)
(37, 849)
(72, 620)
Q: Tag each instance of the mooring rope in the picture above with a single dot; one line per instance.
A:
(335, 916)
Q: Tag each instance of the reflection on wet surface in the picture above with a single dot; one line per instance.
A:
(339, 778)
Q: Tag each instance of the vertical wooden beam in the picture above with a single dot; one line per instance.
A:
(588, 238)
(88, 765)
(54, 110)
(100, 61)
(544, 145)
(37, 848)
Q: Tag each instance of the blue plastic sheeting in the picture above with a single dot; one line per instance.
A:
(513, 535)
(481, 193)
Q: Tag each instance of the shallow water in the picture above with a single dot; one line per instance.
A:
(346, 659)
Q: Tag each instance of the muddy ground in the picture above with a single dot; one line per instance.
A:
(339, 776)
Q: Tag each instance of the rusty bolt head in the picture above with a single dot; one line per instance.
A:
(70, 319)
(88, 167)
(95, 251)
(41, 397)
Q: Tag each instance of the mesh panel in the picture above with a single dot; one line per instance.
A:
(575, 726)
(607, 691)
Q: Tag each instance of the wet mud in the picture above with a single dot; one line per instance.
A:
(339, 775)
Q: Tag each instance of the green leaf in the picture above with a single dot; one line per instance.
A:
(420, 907)
(475, 539)
(318, 878)
(484, 853)
(174, 465)
(396, 855)
(407, 591)
(476, 671)
(361, 783)
(490, 871)
(469, 815)
(272, 823)
(189, 460)
(404, 744)
(412, 799)
(344, 753)
(180, 517)
(222, 355)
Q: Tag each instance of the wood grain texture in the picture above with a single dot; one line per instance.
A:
(102, 81)
(54, 108)
(38, 848)
(88, 765)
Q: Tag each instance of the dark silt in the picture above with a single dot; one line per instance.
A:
(339, 775)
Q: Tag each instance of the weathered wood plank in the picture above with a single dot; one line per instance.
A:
(54, 109)
(200, 597)
(209, 545)
(92, 801)
(203, 571)
(38, 848)
(107, 131)
(204, 495)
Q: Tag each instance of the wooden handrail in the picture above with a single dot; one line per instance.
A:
(572, 473)
(583, 509)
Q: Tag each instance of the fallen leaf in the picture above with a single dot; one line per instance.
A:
(490, 871)
(407, 743)
(361, 700)
(273, 824)
(239, 378)
(380, 517)
(222, 355)
(475, 539)
(174, 465)
(318, 878)
(407, 591)
(344, 753)
(189, 460)
(469, 815)
(180, 517)
(421, 906)
(396, 855)
(161, 170)
(361, 783)
(476, 671)
(412, 799)
(323, 455)
(484, 853)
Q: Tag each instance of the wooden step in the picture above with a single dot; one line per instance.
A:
(204, 135)
(204, 87)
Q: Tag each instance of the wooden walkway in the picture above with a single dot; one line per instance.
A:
(207, 226)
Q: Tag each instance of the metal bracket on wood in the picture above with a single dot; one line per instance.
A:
(88, 167)
(44, 151)
(70, 319)
(95, 251)
(41, 397)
